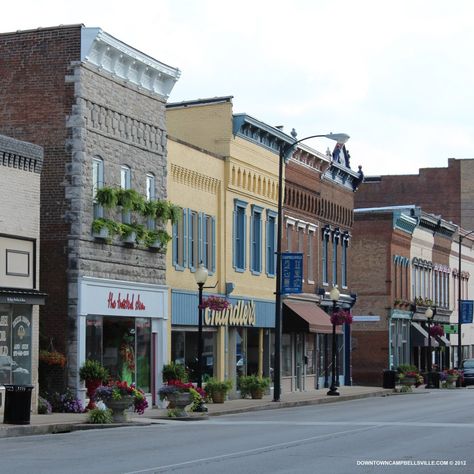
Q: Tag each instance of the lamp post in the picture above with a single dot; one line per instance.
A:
(284, 152)
(429, 316)
(200, 275)
(334, 295)
(461, 237)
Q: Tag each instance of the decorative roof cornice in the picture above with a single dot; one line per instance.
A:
(344, 176)
(20, 155)
(260, 133)
(109, 54)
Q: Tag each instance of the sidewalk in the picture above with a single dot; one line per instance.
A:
(66, 422)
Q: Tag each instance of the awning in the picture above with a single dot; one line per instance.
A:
(306, 316)
(444, 340)
(420, 336)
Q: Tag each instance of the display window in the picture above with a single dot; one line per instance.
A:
(15, 344)
(123, 346)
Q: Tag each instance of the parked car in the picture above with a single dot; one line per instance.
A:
(467, 368)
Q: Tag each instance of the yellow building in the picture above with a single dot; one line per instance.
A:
(223, 173)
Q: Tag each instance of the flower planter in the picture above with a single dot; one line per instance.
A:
(257, 393)
(451, 381)
(91, 385)
(102, 234)
(218, 397)
(130, 239)
(408, 381)
(179, 401)
(119, 407)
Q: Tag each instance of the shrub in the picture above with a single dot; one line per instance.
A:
(44, 407)
(98, 416)
(93, 370)
(174, 371)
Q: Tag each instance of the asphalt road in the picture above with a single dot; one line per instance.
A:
(420, 433)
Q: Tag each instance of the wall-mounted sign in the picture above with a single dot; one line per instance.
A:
(450, 328)
(366, 319)
(116, 298)
(241, 314)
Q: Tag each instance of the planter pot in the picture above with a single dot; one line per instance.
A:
(179, 401)
(129, 239)
(218, 397)
(257, 393)
(451, 381)
(119, 407)
(408, 381)
(156, 245)
(102, 234)
(91, 386)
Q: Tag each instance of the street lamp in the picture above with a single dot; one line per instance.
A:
(429, 315)
(334, 295)
(285, 150)
(461, 237)
(200, 276)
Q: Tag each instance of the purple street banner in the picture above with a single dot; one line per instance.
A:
(292, 273)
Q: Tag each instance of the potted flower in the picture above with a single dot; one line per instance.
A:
(341, 316)
(93, 373)
(119, 396)
(52, 358)
(253, 385)
(179, 395)
(174, 371)
(450, 376)
(214, 303)
(217, 389)
(107, 197)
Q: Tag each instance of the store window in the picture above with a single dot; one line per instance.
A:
(123, 346)
(310, 357)
(184, 349)
(286, 355)
(15, 344)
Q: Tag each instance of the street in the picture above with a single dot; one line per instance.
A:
(430, 431)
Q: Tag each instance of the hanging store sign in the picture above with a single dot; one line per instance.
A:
(241, 314)
(450, 328)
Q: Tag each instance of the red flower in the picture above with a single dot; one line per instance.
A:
(340, 317)
(215, 303)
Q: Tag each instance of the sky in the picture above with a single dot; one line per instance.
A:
(398, 77)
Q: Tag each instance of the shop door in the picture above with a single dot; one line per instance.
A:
(299, 361)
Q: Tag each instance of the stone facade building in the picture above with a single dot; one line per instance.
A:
(96, 105)
(20, 171)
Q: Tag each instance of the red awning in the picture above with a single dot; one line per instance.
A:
(315, 318)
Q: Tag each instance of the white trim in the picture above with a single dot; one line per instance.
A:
(117, 58)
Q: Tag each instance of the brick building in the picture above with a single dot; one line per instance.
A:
(404, 261)
(96, 105)
(20, 171)
(447, 191)
(317, 222)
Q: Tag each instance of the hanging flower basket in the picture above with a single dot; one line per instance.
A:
(215, 303)
(52, 358)
(436, 330)
(340, 317)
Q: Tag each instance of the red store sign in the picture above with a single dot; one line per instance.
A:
(130, 301)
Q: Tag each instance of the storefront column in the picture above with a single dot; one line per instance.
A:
(221, 352)
(232, 358)
(260, 352)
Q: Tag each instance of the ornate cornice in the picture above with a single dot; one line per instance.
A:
(250, 181)
(111, 55)
(193, 179)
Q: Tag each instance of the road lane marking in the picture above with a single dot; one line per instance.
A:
(271, 447)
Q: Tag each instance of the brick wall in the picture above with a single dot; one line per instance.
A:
(436, 190)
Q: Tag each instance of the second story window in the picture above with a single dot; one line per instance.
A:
(179, 241)
(325, 258)
(126, 183)
(239, 235)
(310, 257)
(344, 244)
(335, 243)
(97, 183)
(193, 240)
(150, 196)
(256, 240)
(208, 242)
(271, 234)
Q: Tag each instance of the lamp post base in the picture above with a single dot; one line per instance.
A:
(333, 391)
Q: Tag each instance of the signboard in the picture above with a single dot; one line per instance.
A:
(292, 273)
(466, 311)
(450, 328)
(366, 319)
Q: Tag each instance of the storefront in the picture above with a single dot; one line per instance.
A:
(237, 341)
(124, 326)
(307, 347)
(18, 327)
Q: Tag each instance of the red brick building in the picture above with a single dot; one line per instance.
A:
(317, 222)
